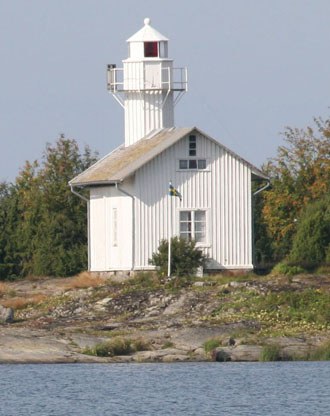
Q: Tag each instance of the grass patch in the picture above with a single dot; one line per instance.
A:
(271, 353)
(176, 283)
(287, 270)
(3, 289)
(325, 269)
(117, 346)
(33, 278)
(142, 281)
(278, 313)
(167, 344)
(211, 344)
(229, 276)
(22, 303)
(322, 353)
(84, 280)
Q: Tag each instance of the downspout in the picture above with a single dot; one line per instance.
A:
(254, 194)
(261, 189)
(88, 222)
(133, 222)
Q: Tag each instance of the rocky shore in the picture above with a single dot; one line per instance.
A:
(67, 320)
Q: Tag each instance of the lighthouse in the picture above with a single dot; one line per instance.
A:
(148, 86)
(130, 209)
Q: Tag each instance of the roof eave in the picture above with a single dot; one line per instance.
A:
(95, 183)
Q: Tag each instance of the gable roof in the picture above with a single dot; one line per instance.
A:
(124, 161)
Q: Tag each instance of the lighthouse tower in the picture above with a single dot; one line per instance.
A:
(148, 86)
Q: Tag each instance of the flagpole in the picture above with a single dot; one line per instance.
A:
(169, 236)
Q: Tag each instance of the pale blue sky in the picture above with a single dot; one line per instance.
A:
(255, 66)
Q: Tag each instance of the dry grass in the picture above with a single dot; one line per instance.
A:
(3, 288)
(84, 280)
(23, 302)
(33, 278)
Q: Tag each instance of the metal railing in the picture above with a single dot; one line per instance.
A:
(170, 79)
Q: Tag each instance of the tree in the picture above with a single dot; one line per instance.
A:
(46, 233)
(185, 257)
(8, 220)
(311, 243)
(263, 251)
(300, 174)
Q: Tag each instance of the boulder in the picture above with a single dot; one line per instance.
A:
(6, 315)
(237, 353)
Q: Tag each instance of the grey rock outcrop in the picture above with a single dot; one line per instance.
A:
(6, 315)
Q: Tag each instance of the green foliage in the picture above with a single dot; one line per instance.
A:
(278, 312)
(185, 257)
(271, 353)
(300, 174)
(117, 346)
(322, 353)
(311, 244)
(168, 344)
(144, 280)
(263, 250)
(287, 269)
(42, 224)
(211, 344)
(9, 259)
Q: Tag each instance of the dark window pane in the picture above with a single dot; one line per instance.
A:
(185, 216)
(192, 138)
(201, 164)
(183, 164)
(192, 164)
(150, 49)
(192, 152)
(200, 216)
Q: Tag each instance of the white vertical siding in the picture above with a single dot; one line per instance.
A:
(146, 109)
(105, 253)
(223, 190)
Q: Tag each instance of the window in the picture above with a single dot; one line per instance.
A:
(192, 164)
(192, 145)
(193, 225)
(201, 164)
(183, 164)
(151, 49)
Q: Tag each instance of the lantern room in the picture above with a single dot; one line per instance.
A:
(147, 43)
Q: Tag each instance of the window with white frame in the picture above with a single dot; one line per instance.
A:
(193, 225)
(192, 164)
(192, 145)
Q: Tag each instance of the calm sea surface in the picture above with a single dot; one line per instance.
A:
(234, 389)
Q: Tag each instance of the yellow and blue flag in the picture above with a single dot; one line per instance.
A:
(174, 192)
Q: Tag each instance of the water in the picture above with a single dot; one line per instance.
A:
(285, 389)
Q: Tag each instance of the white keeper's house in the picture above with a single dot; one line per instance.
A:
(129, 208)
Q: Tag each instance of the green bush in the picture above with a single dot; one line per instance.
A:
(185, 257)
(311, 244)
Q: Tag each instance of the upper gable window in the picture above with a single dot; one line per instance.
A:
(150, 49)
(192, 145)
